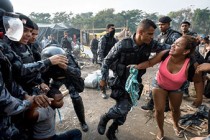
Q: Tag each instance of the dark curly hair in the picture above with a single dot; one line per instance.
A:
(191, 43)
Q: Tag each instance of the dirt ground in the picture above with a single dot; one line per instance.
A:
(140, 125)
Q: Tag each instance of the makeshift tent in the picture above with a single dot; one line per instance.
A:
(57, 30)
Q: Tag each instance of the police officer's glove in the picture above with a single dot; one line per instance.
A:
(102, 84)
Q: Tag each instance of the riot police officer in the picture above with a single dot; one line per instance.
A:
(34, 44)
(105, 44)
(65, 74)
(13, 100)
(30, 82)
(127, 51)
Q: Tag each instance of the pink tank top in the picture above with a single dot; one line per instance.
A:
(169, 81)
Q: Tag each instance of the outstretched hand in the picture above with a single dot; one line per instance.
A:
(58, 59)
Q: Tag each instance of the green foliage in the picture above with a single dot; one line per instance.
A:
(40, 17)
(62, 17)
(199, 18)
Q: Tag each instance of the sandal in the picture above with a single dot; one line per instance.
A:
(157, 138)
(178, 133)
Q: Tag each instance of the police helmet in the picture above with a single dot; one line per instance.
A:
(6, 5)
(51, 50)
(10, 24)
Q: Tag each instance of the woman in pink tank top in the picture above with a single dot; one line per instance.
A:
(172, 73)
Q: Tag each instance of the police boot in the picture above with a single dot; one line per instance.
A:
(79, 109)
(103, 92)
(149, 105)
(102, 124)
(110, 134)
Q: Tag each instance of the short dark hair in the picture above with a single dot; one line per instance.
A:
(109, 25)
(186, 22)
(35, 26)
(146, 24)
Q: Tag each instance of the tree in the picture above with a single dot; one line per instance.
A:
(104, 17)
(201, 20)
(40, 17)
(179, 16)
(83, 20)
(62, 17)
(132, 18)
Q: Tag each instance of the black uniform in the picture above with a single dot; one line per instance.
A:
(36, 50)
(104, 46)
(125, 52)
(11, 98)
(66, 43)
(169, 37)
(65, 77)
(94, 48)
(31, 80)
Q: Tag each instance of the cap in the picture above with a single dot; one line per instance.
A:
(185, 22)
(165, 19)
(27, 22)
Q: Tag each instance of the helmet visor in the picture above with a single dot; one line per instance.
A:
(13, 28)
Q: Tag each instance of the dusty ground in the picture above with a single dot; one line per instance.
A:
(139, 124)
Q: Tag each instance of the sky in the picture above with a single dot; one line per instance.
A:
(163, 7)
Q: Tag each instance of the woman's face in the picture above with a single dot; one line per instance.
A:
(178, 47)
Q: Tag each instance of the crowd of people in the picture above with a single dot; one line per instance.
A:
(31, 76)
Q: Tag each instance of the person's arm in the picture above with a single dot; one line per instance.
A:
(112, 56)
(205, 67)
(11, 105)
(151, 62)
(199, 88)
(101, 48)
(39, 66)
(158, 47)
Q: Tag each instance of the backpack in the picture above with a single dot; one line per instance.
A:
(77, 81)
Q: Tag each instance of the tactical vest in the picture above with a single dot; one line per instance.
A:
(165, 38)
(5, 71)
(132, 55)
(26, 56)
(109, 44)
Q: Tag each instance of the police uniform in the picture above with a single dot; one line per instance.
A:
(94, 48)
(61, 77)
(11, 99)
(125, 52)
(170, 35)
(104, 46)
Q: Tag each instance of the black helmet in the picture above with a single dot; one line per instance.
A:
(52, 50)
(6, 5)
(10, 24)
